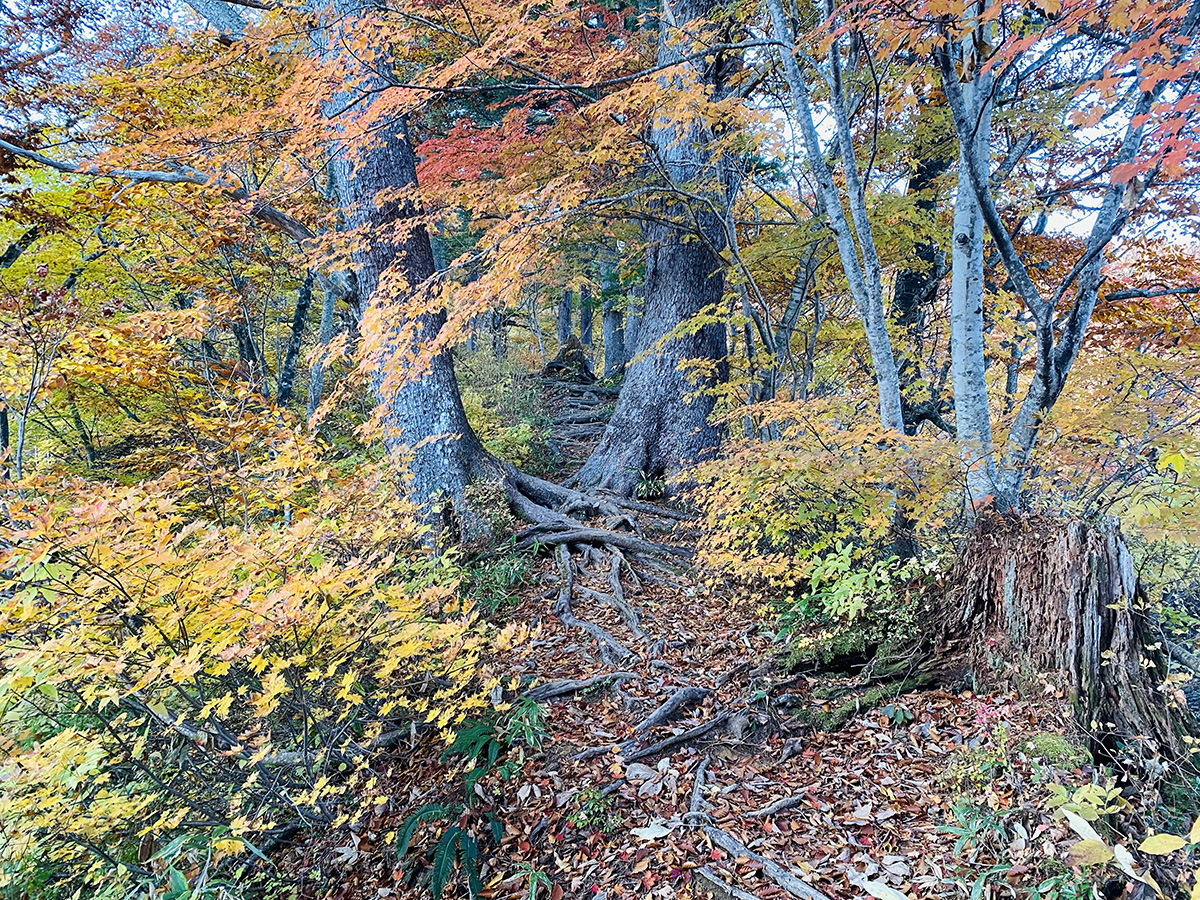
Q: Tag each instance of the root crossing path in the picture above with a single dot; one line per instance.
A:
(683, 762)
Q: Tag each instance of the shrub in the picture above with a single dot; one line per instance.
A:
(174, 682)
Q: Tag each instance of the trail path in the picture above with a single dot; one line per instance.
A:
(680, 760)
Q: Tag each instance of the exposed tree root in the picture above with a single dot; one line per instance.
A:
(709, 881)
(627, 612)
(683, 697)
(627, 748)
(777, 807)
(611, 650)
(686, 737)
(553, 690)
(736, 848)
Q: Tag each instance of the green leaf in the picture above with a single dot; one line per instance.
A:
(470, 862)
(426, 813)
(443, 861)
(1162, 844)
(179, 886)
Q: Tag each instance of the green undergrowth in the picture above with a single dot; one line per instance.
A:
(505, 409)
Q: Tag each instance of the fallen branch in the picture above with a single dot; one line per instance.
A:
(772, 870)
(553, 690)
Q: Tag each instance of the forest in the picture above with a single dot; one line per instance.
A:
(600, 449)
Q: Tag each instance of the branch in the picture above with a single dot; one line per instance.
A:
(182, 174)
(1137, 294)
(19, 246)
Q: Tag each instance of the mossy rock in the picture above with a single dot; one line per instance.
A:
(1056, 750)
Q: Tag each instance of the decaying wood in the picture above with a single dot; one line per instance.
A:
(1036, 597)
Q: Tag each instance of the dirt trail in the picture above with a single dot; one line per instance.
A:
(681, 760)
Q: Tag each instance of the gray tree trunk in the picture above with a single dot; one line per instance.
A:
(612, 319)
(424, 419)
(564, 319)
(856, 245)
(967, 365)
(585, 316)
(316, 374)
(661, 421)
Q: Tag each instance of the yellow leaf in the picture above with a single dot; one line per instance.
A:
(1089, 853)
(1162, 844)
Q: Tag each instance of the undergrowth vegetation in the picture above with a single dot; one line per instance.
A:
(194, 664)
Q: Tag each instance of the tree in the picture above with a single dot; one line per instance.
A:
(854, 236)
(1162, 94)
(661, 422)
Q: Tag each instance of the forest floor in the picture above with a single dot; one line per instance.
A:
(729, 791)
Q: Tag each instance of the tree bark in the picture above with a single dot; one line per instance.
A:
(585, 316)
(287, 372)
(661, 421)
(855, 242)
(564, 318)
(612, 319)
(1036, 602)
(423, 417)
(972, 415)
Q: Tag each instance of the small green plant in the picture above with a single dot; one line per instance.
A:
(649, 487)
(595, 812)
(978, 829)
(494, 744)
(1090, 801)
(980, 765)
(492, 583)
(536, 879)
(1064, 885)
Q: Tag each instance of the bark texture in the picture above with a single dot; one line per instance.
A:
(1056, 601)
(661, 421)
(423, 416)
(972, 416)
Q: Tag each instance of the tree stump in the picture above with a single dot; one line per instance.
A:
(1058, 599)
(571, 363)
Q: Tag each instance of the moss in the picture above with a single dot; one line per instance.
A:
(835, 718)
(1056, 750)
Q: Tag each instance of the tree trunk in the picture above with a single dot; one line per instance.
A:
(585, 316)
(423, 416)
(635, 306)
(612, 318)
(661, 421)
(972, 415)
(1037, 602)
(564, 319)
(287, 372)
(612, 322)
(316, 374)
